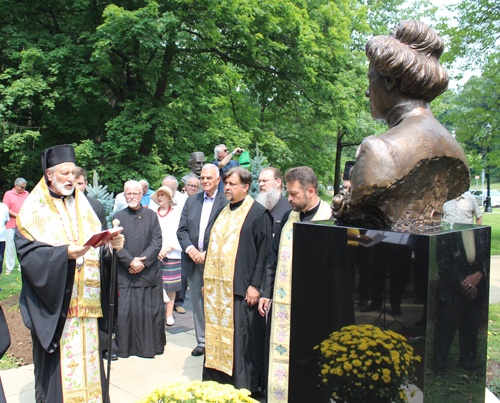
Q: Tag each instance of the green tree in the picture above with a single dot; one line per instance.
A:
(474, 114)
(476, 34)
(136, 85)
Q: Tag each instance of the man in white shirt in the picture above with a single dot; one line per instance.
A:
(193, 234)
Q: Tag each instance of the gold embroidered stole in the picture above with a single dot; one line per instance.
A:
(63, 222)
(279, 349)
(218, 282)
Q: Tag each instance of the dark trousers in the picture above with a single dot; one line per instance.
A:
(2, 250)
(395, 260)
(452, 312)
(181, 294)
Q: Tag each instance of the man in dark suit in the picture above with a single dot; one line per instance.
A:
(81, 183)
(194, 233)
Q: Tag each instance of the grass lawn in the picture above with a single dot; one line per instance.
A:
(493, 220)
(11, 284)
(493, 382)
(493, 185)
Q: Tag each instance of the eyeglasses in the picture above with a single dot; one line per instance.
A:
(193, 186)
(133, 194)
(265, 181)
(22, 187)
(225, 150)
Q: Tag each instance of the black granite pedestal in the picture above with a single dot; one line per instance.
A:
(431, 287)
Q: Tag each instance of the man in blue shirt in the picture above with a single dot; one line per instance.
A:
(224, 160)
(146, 193)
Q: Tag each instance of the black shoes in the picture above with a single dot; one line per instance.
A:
(200, 350)
(114, 356)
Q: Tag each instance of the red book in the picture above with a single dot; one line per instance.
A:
(103, 237)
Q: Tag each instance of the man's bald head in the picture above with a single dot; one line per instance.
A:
(171, 182)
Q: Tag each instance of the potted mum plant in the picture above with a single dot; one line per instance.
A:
(198, 391)
(365, 364)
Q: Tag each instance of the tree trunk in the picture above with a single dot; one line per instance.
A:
(338, 158)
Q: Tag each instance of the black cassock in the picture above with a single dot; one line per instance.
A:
(249, 325)
(140, 326)
(4, 345)
(48, 278)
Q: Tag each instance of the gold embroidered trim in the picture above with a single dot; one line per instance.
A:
(92, 283)
(80, 363)
(279, 348)
(218, 283)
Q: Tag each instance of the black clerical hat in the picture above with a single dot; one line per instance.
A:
(347, 170)
(57, 155)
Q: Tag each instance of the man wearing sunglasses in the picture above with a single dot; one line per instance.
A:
(224, 160)
(13, 199)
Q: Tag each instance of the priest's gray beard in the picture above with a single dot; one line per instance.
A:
(269, 199)
(61, 187)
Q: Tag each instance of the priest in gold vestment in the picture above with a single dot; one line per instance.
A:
(237, 251)
(63, 296)
(302, 187)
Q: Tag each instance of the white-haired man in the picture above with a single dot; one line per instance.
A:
(146, 193)
(63, 298)
(13, 199)
(224, 161)
(178, 197)
(192, 186)
(140, 327)
(193, 234)
(270, 186)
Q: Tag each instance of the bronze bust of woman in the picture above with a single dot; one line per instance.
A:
(402, 178)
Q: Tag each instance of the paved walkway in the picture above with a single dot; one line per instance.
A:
(133, 378)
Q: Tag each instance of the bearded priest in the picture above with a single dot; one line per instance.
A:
(63, 296)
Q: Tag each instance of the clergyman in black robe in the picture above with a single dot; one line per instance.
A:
(63, 298)
(251, 251)
(140, 327)
(4, 346)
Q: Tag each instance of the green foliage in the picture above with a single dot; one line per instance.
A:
(476, 34)
(101, 193)
(11, 284)
(473, 116)
(494, 332)
(257, 164)
(137, 85)
(10, 361)
(493, 220)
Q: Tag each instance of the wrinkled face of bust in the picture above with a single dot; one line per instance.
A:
(196, 163)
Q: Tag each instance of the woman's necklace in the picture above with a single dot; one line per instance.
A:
(164, 215)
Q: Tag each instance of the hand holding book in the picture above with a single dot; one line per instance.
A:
(103, 237)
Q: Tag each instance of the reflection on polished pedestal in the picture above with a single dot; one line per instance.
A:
(430, 287)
